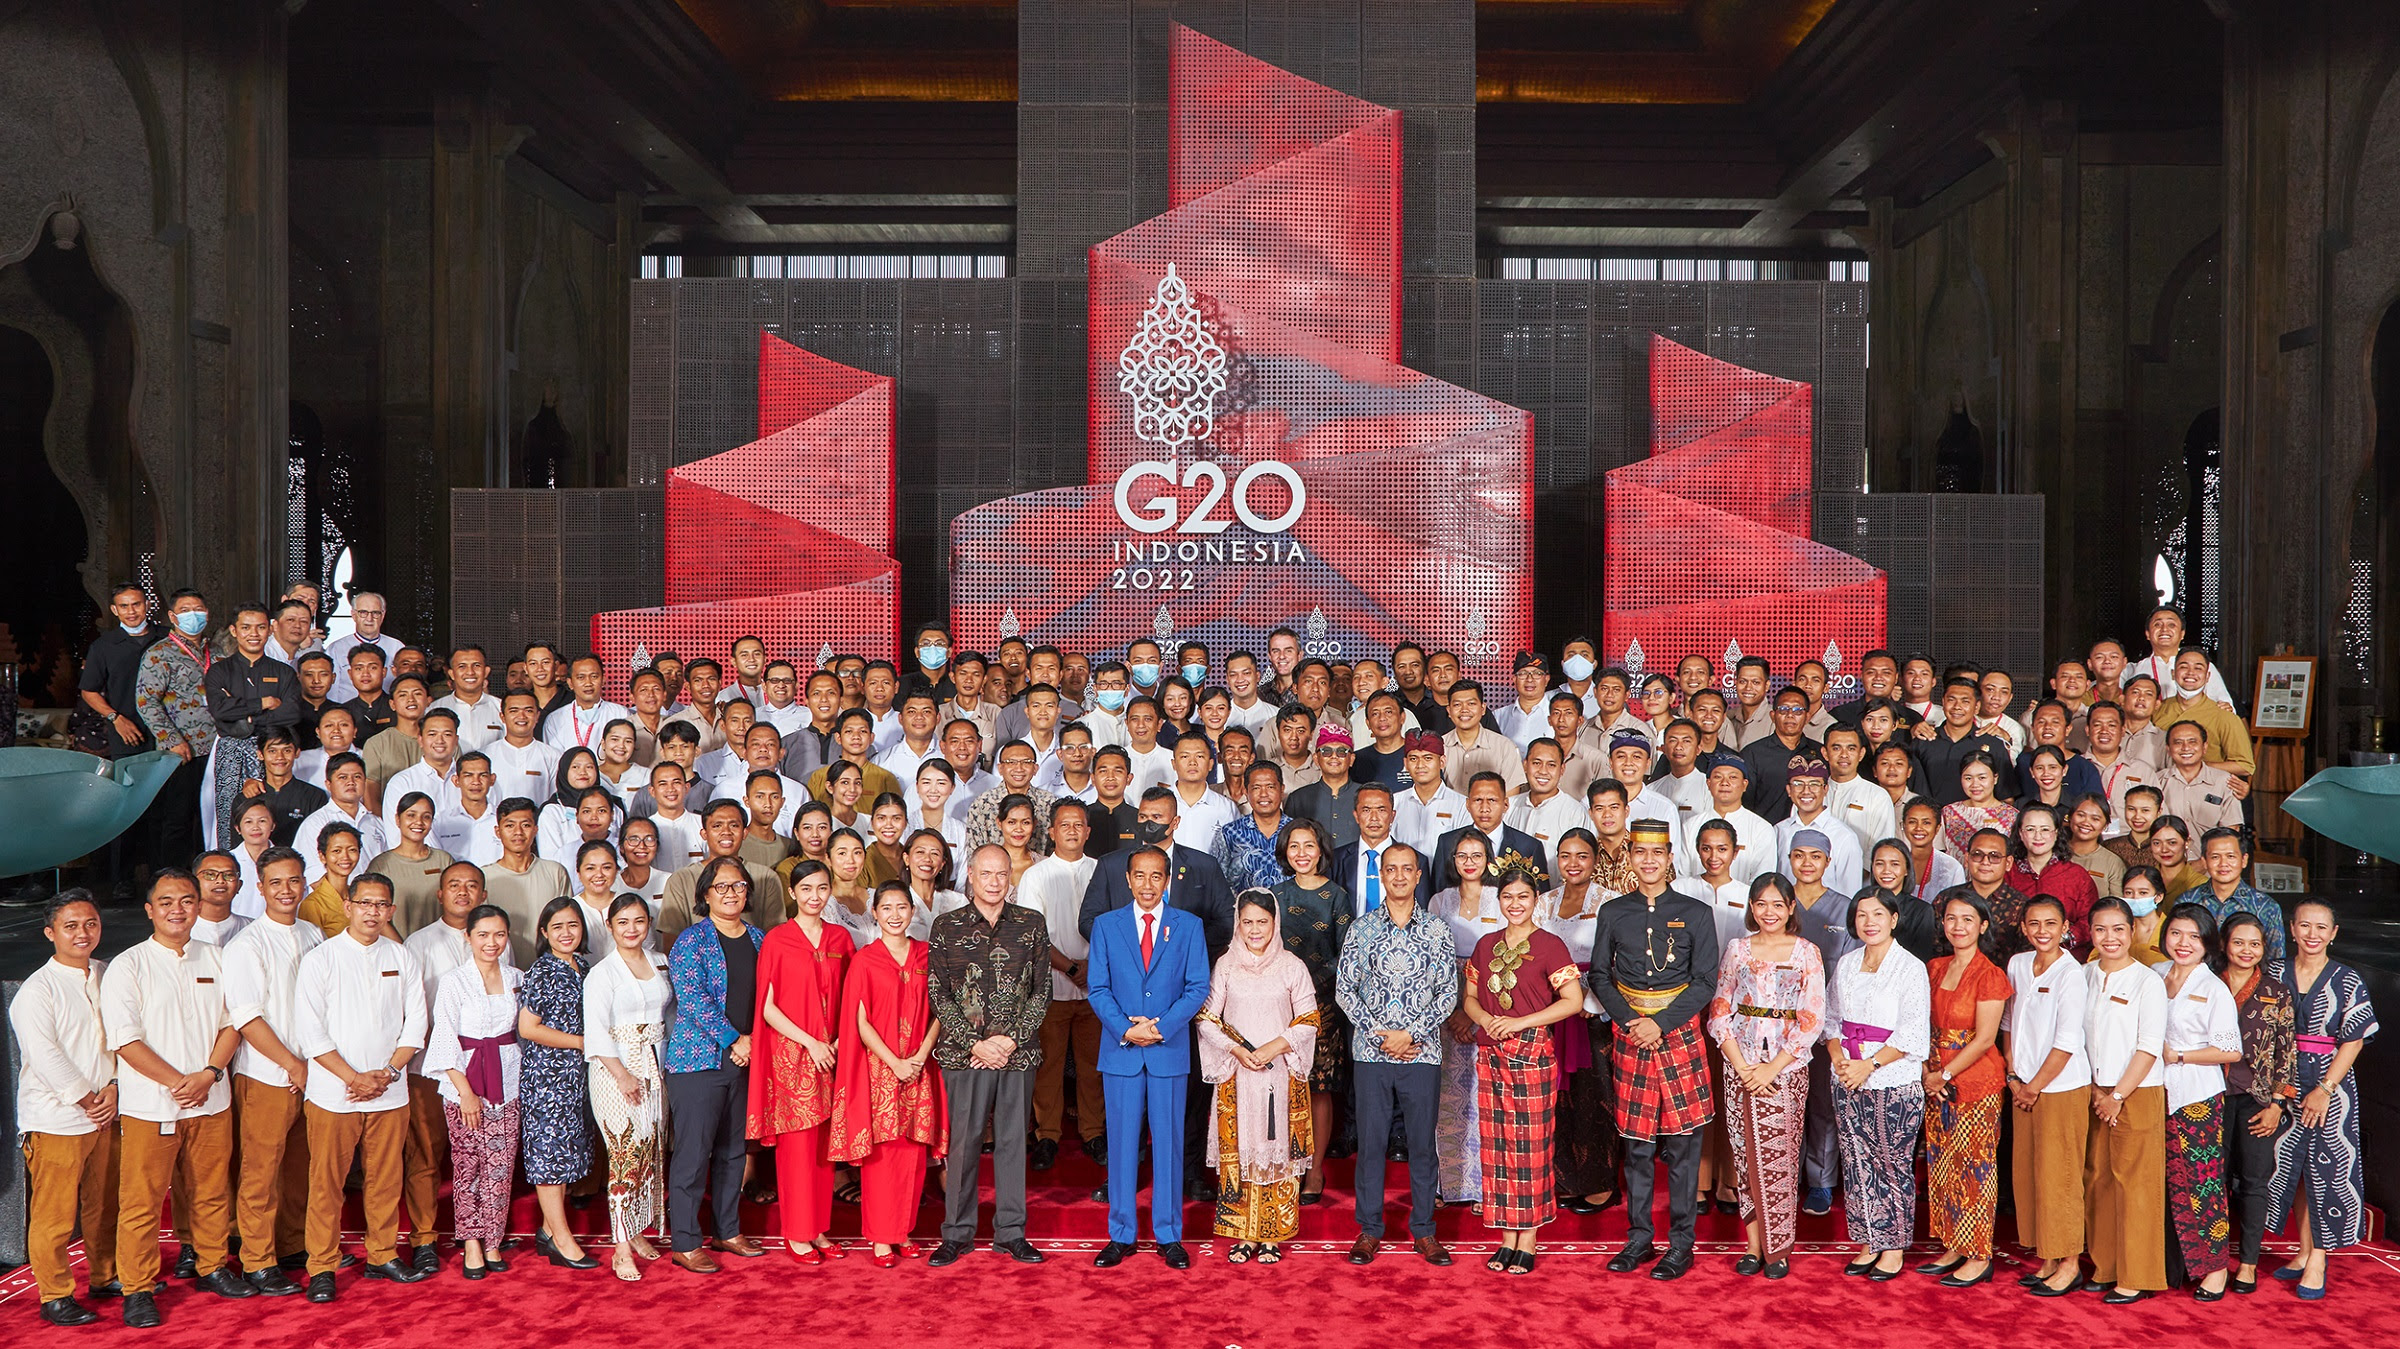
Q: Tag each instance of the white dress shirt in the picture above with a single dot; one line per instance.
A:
(2203, 1016)
(478, 722)
(529, 770)
(902, 762)
(787, 719)
(1154, 767)
(363, 1002)
(574, 725)
(1896, 997)
(262, 972)
(1866, 807)
(1055, 886)
(679, 841)
(218, 932)
(1547, 821)
(1356, 881)
(1108, 728)
(1420, 823)
(62, 1048)
(613, 997)
(2045, 1013)
(373, 840)
(462, 1006)
(1730, 902)
(174, 1003)
(1198, 822)
(2124, 1014)
(469, 838)
(1754, 845)
(558, 837)
(1521, 724)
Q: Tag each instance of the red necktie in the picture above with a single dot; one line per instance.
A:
(1147, 920)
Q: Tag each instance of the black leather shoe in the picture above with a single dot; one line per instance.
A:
(1175, 1255)
(2041, 1289)
(427, 1259)
(66, 1311)
(1100, 1194)
(1675, 1265)
(947, 1253)
(273, 1283)
(396, 1271)
(494, 1263)
(1858, 1267)
(320, 1288)
(1111, 1255)
(1096, 1148)
(1632, 1258)
(226, 1283)
(187, 1263)
(467, 1271)
(1934, 1269)
(2095, 1286)
(1043, 1154)
(2200, 1294)
(1748, 1265)
(1953, 1281)
(292, 1264)
(141, 1311)
(2125, 1297)
(1878, 1274)
(2245, 1287)
(1200, 1189)
(2029, 1278)
(1020, 1250)
(102, 1292)
(1779, 1269)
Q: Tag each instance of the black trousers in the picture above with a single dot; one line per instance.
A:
(1682, 1152)
(171, 826)
(1409, 1093)
(2251, 1164)
(710, 1110)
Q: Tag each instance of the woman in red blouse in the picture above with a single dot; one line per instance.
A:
(889, 1110)
(800, 968)
(1964, 1081)
(2042, 867)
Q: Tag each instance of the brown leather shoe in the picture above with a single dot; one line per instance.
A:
(1362, 1251)
(739, 1245)
(1434, 1252)
(698, 1262)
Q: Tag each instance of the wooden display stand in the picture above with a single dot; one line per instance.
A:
(2282, 699)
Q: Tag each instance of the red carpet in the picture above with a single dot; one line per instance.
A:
(1314, 1298)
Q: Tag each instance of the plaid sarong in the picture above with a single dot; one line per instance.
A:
(1516, 1097)
(1662, 1091)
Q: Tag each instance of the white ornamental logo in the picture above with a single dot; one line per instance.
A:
(640, 660)
(1316, 625)
(1733, 655)
(1833, 659)
(1475, 621)
(1634, 658)
(1008, 623)
(1164, 624)
(1173, 369)
(825, 655)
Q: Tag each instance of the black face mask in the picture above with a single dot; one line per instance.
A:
(1149, 833)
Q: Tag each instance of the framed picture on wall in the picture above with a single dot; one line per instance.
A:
(2287, 685)
(2278, 875)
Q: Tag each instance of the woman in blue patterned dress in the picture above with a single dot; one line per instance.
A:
(2318, 1161)
(557, 1139)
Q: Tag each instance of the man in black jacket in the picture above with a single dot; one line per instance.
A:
(107, 691)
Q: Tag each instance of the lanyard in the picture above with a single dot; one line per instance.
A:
(583, 734)
(201, 656)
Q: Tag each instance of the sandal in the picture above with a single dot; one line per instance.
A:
(1270, 1254)
(1523, 1264)
(1502, 1260)
(847, 1191)
(1240, 1254)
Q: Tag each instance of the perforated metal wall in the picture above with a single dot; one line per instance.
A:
(1265, 304)
(1708, 547)
(788, 538)
(1965, 574)
(529, 565)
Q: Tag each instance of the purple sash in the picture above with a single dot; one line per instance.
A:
(1857, 1035)
(483, 1064)
(2315, 1044)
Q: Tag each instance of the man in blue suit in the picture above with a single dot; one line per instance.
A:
(1148, 979)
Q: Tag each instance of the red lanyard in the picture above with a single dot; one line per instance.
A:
(203, 656)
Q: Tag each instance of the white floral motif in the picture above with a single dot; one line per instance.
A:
(1316, 625)
(1634, 658)
(1008, 622)
(1163, 624)
(1173, 369)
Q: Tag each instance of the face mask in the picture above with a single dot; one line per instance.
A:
(1149, 833)
(1144, 674)
(1577, 668)
(1195, 674)
(2142, 908)
(1110, 700)
(192, 622)
(134, 629)
(933, 657)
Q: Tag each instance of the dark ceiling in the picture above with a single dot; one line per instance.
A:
(1725, 124)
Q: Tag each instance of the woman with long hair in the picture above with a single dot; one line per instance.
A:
(2145, 894)
(1766, 1018)
(1257, 1039)
(1521, 981)
(2173, 852)
(337, 848)
(1920, 926)
(889, 1110)
(927, 883)
(1883, 1032)
(557, 1123)
(1316, 916)
(2319, 1163)
(626, 998)
(1587, 1150)
(1931, 870)
(1470, 911)
(471, 1054)
(801, 965)
(2259, 1085)
(887, 822)
(2125, 1186)
(1964, 1081)
(2204, 1033)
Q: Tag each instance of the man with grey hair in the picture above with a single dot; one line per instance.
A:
(366, 611)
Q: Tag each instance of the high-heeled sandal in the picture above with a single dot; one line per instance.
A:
(1269, 1254)
(1239, 1253)
(1521, 1263)
(1501, 1259)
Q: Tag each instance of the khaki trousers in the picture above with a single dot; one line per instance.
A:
(377, 1139)
(270, 1204)
(1069, 1023)
(71, 1182)
(2125, 1194)
(195, 1155)
(425, 1161)
(2046, 1171)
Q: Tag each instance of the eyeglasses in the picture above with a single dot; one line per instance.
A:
(216, 874)
(730, 888)
(372, 903)
(1983, 855)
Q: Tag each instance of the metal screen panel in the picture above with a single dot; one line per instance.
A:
(1708, 547)
(789, 537)
(1244, 348)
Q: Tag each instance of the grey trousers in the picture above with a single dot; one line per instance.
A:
(1820, 1149)
(1006, 1099)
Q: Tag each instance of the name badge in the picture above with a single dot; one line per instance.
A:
(2120, 1000)
(2041, 988)
(204, 979)
(2195, 997)
(391, 974)
(1487, 922)
(1674, 922)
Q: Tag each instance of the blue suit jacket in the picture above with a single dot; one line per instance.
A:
(1173, 989)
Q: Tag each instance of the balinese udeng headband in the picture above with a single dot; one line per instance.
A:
(1651, 831)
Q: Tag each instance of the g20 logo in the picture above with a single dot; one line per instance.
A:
(1162, 512)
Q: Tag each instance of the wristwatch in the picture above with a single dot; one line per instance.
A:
(2116, 1096)
(215, 1072)
(1945, 1075)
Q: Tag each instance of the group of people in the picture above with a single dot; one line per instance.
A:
(816, 939)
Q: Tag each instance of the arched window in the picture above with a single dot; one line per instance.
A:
(2189, 570)
(320, 513)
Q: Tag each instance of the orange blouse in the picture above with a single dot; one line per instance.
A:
(1954, 1023)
